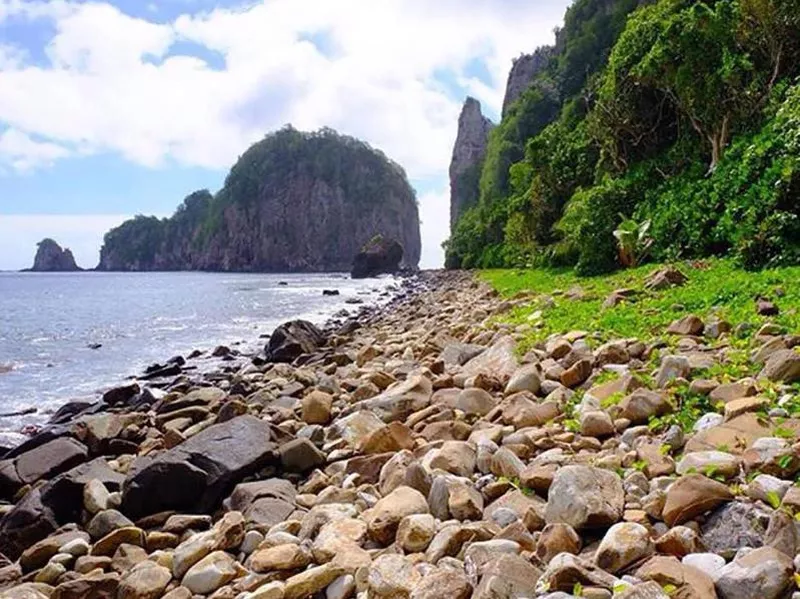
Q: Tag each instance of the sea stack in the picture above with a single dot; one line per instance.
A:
(50, 257)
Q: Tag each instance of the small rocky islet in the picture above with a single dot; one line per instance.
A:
(411, 452)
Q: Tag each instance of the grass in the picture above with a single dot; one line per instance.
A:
(715, 288)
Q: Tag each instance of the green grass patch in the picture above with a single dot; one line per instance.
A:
(715, 288)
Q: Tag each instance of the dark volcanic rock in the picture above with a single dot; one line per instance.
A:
(54, 504)
(51, 258)
(292, 339)
(294, 202)
(377, 257)
(469, 151)
(197, 474)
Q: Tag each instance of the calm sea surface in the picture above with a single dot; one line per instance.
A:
(49, 321)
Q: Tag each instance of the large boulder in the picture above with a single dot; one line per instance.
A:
(292, 339)
(380, 255)
(197, 474)
(52, 505)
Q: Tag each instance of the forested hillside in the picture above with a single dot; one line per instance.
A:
(657, 129)
(293, 202)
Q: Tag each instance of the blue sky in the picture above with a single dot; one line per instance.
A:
(113, 108)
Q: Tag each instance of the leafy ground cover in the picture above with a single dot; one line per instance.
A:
(716, 288)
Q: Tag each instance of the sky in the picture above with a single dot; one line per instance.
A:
(121, 107)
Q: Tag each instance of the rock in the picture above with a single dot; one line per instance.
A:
(51, 258)
(210, 573)
(475, 402)
(623, 545)
(317, 408)
(105, 522)
(730, 391)
(782, 366)
(763, 573)
(678, 541)
(399, 400)
(415, 532)
(557, 538)
(146, 580)
(765, 307)
(292, 339)
(195, 475)
(311, 581)
(281, 557)
(672, 367)
(300, 455)
(38, 554)
(709, 563)
(526, 378)
(645, 590)
(524, 70)
(50, 459)
(96, 497)
(271, 590)
(596, 423)
(378, 256)
(585, 497)
(95, 585)
(456, 457)
(468, 153)
(384, 518)
(576, 374)
(733, 526)
(392, 576)
(737, 407)
(130, 535)
(710, 463)
(564, 570)
(692, 495)
(640, 405)
(688, 325)
(442, 582)
(664, 278)
(509, 576)
(498, 360)
(55, 503)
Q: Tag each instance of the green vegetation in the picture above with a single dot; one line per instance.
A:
(683, 114)
(715, 288)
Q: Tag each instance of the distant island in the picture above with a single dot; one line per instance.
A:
(293, 202)
(50, 257)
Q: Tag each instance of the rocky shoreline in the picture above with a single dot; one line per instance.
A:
(411, 453)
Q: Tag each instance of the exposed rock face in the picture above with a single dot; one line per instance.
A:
(51, 258)
(468, 154)
(523, 70)
(379, 256)
(294, 202)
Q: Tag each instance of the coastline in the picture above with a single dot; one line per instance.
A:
(242, 345)
(414, 452)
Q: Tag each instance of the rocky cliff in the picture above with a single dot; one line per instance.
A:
(294, 202)
(51, 258)
(524, 70)
(468, 154)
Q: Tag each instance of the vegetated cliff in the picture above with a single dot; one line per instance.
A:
(679, 118)
(51, 258)
(524, 70)
(468, 153)
(294, 202)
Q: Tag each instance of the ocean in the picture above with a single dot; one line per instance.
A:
(67, 336)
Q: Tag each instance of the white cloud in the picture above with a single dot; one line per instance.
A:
(23, 154)
(113, 85)
(435, 226)
(83, 234)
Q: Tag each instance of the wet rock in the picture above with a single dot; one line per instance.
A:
(292, 339)
(121, 395)
(195, 475)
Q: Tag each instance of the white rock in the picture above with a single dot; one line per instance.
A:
(710, 563)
